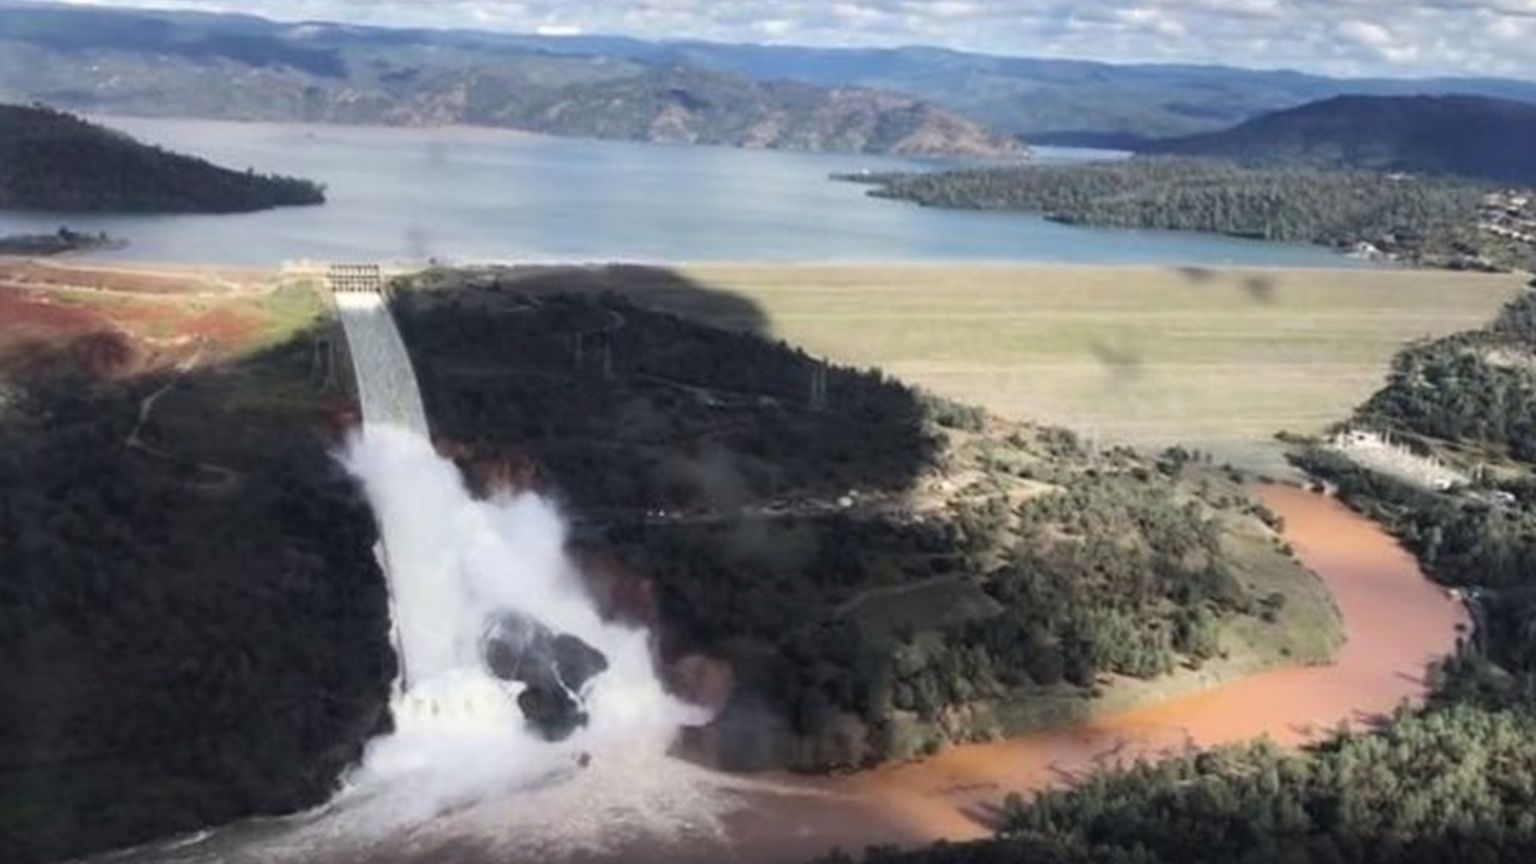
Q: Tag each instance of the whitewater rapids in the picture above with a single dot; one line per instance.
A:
(462, 772)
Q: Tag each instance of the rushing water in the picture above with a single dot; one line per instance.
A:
(456, 567)
(386, 380)
(480, 194)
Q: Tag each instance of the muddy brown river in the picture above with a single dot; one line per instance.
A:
(1396, 620)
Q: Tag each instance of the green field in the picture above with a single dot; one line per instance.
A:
(1150, 356)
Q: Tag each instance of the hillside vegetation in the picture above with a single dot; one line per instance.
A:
(194, 626)
(1430, 221)
(1465, 136)
(50, 160)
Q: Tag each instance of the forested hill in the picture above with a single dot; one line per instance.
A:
(1470, 136)
(50, 160)
(1432, 221)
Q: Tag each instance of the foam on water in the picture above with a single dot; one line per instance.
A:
(460, 747)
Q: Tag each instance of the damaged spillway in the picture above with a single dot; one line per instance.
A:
(493, 626)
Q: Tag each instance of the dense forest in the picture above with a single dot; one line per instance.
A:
(1453, 781)
(184, 645)
(1431, 221)
(884, 571)
(51, 160)
(1463, 136)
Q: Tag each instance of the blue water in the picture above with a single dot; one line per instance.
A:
(476, 194)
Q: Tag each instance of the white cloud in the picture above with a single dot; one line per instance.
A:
(1396, 37)
(1366, 33)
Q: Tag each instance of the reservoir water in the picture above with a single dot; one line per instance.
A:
(461, 194)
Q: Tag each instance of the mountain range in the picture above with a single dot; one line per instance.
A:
(918, 100)
(242, 68)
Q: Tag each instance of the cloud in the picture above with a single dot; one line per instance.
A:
(1392, 37)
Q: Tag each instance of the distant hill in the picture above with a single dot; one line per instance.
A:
(243, 68)
(697, 106)
(50, 160)
(237, 66)
(1471, 136)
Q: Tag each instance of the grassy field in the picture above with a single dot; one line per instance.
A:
(1150, 356)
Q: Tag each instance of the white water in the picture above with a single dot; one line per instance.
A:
(386, 381)
(461, 746)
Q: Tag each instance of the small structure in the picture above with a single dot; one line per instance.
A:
(1376, 451)
(355, 278)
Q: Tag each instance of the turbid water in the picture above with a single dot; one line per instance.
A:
(1397, 623)
(496, 195)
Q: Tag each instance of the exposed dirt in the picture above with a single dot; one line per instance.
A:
(139, 279)
(117, 322)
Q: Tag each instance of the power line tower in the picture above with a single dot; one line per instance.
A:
(818, 395)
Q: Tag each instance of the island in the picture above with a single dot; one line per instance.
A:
(58, 243)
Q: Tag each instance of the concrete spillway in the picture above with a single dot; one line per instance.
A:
(386, 382)
(420, 612)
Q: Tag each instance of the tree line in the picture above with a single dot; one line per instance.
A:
(1427, 220)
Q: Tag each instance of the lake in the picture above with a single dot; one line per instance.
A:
(462, 194)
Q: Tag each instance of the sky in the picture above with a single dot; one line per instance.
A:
(1347, 37)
